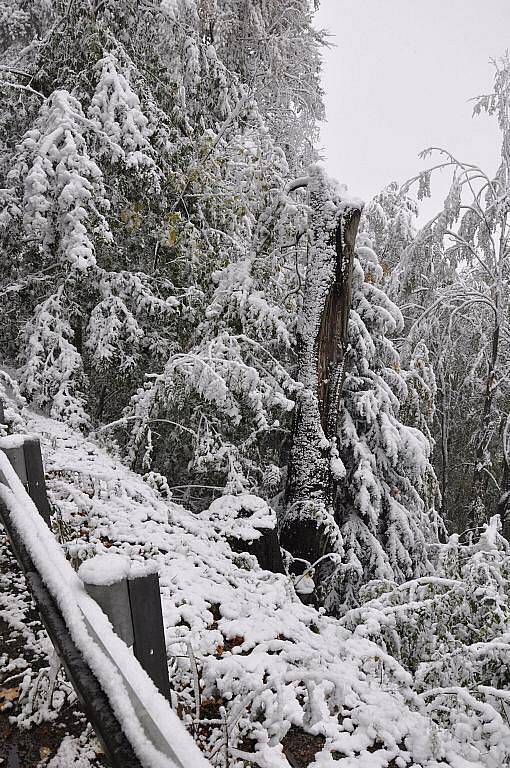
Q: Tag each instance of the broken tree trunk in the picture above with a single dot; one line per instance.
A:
(307, 527)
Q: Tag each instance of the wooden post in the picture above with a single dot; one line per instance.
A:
(503, 508)
(24, 453)
(133, 605)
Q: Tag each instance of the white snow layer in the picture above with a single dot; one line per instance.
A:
(104, 570)
(81, 614)
(240, 642)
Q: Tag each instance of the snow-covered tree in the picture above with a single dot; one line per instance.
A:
(144, 215)
(388, 220)
(275, 49)
(360, 487)
(458, 265)
(386, 503)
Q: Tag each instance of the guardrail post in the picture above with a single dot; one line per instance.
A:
(133, 605)
(35, 477)
(24, 453)
(148, 629)
(113, 599)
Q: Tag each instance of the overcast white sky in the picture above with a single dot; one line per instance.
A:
(400, 79)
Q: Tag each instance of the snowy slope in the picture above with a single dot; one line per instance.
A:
(278, 680)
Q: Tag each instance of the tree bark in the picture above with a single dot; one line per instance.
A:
(306, 525)
(266, 549)
(480, 478)
(503, 508)
(444, 391)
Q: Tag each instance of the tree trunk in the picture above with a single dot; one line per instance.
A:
(444, 391)
(266, 549)
(503, 508)
(307, 525)
(480, 476)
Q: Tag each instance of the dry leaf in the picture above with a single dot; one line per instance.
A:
(7, 695)
(97, 746)
(11, 694)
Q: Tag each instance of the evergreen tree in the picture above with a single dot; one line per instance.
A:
(145, 225)
(386, 500)
(388, 220)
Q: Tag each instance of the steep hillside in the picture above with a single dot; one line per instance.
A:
(289, 685)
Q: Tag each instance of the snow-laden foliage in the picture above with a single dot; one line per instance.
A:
(453, 279)
(279, 54)
(388, 220)
(386, 497)
(145, 224)
(53, 375)
(224, 385)
(230, 387)
(420, 407)
(71, 208)
(63, 191)
(451, 630)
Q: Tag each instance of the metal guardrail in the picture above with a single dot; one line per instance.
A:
(134, 722)
(92, 698)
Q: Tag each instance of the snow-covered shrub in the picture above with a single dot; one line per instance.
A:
(451, 629)
(13, 404)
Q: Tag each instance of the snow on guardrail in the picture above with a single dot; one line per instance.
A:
(158, 737)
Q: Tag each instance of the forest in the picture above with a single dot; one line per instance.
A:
(294, 403)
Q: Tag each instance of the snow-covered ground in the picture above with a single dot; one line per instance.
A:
(260, 678)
